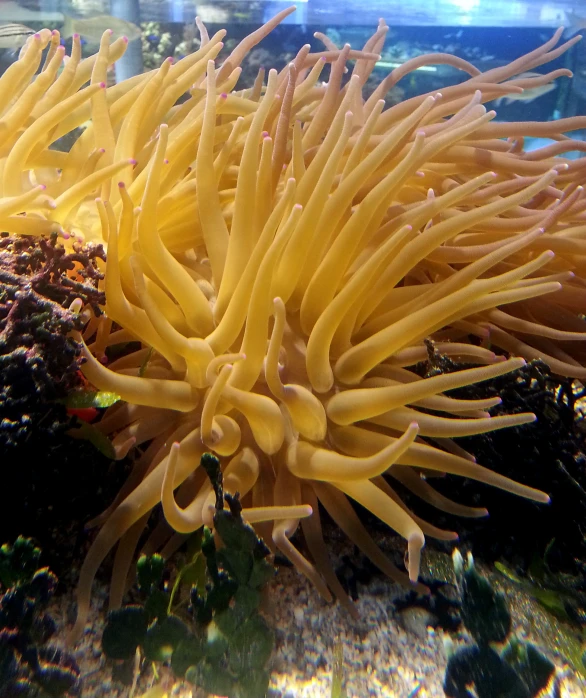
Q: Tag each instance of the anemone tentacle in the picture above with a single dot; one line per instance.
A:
(282, 253)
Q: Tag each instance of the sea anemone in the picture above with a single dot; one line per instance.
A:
(282, 253)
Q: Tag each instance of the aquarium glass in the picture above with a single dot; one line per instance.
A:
(245, 617)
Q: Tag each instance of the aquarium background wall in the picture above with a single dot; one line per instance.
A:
(486, 33)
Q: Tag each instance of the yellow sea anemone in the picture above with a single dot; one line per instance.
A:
(281, 253)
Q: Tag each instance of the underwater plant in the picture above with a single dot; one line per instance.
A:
(517, 670)
(281, 252)
(28, 666)
(562, 595)
(225, 645)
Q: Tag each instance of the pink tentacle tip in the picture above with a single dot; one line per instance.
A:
(166, 161)
(103, 359)
(224, 95)
(42, 187)
(102, 85)
(132, 161)
(125, 39)
(65, 235)
(76, 36)
(121, 185)
(110, 31)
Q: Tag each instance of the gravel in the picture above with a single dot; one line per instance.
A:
(386, 654)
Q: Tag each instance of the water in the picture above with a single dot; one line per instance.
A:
(465, 28)
(380, 638)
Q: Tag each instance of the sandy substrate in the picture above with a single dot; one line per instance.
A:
(386, 654)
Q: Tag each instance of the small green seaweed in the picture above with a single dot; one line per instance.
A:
(498, 665)
(88, 432)
(562, 600)
(559, 594)
(551, 600)
(144, 365)
(28, 666)
(80, 399)
(221, 642)
(338, 670)
(18, 562)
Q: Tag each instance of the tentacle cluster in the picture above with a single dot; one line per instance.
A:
(281, 252)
